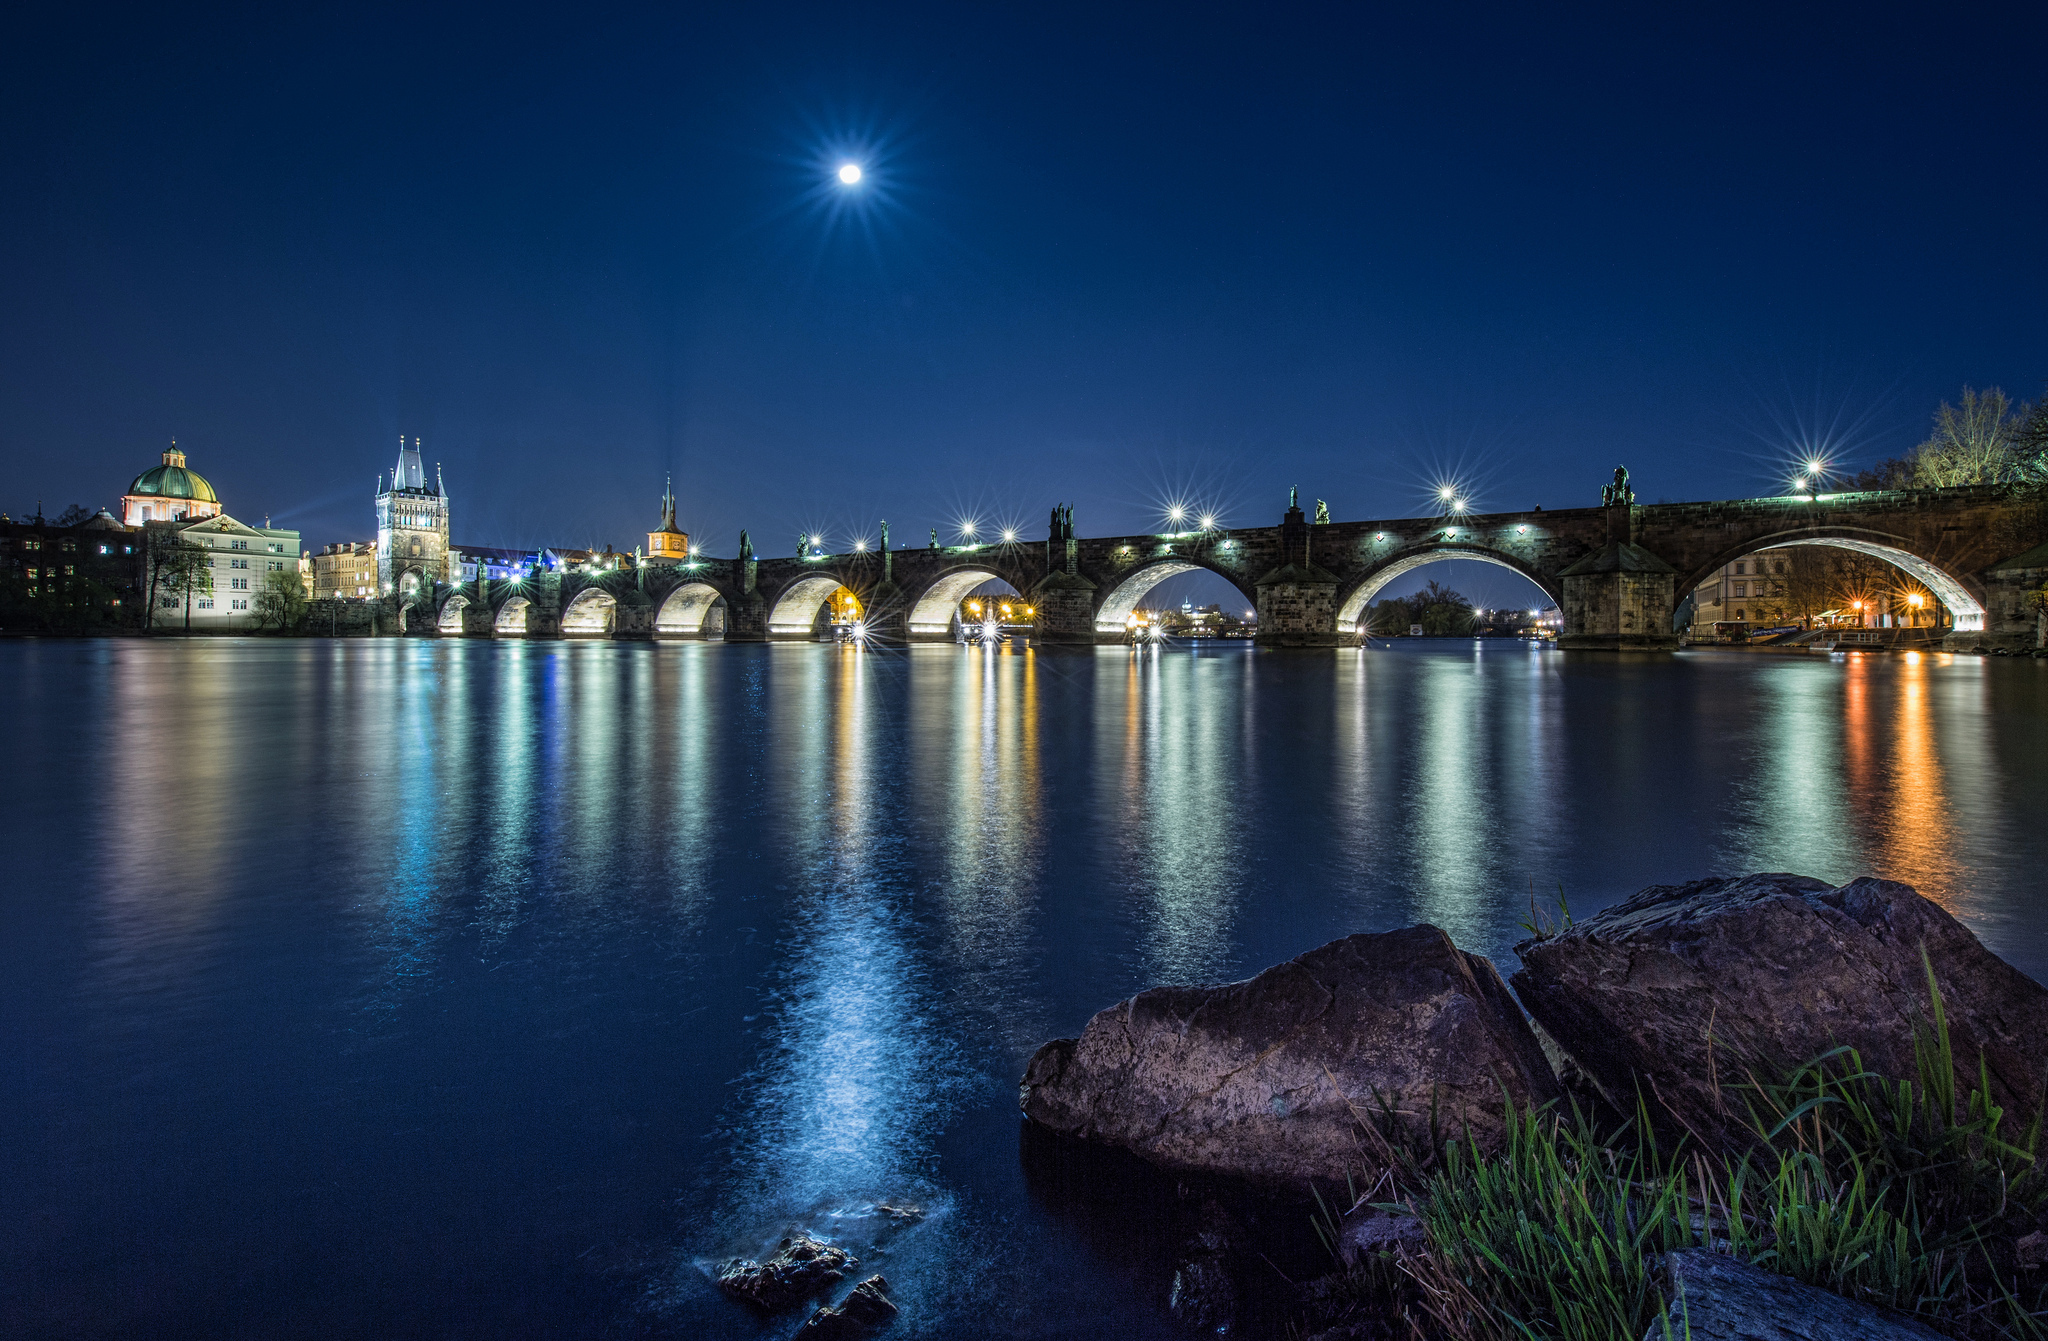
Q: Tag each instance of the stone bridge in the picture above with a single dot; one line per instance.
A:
(1615, 571)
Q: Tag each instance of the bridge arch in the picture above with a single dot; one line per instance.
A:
(931, 614)
(1351, 607)
(795, 612)
(1965, 608)
(511, 620)
(692, 610)
(1122, 598)
(589, 614)
(450, 620)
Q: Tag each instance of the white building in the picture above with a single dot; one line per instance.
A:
(238, 559)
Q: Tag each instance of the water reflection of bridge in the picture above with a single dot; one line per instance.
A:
(1616, 573)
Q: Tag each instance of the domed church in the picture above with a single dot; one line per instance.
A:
(169, 492)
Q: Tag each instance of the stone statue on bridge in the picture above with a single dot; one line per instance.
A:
(803, 543)
(1618, 494)
(935, 537)
(885, 537)
(746, 548)
(1322, 513)
(1293, 499)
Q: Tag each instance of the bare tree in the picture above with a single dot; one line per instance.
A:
(173, 566)
(281, 602)
(1976, 442)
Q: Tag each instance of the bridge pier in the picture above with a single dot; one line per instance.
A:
(479, 620)
(1298, 600)
(1066, 610)
(1621, 597)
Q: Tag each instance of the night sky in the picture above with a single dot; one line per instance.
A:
(1103, 254)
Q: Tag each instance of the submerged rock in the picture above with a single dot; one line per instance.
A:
(1684, 986)
(1712, 1297)
(802, 1268)
(857, 1316)
(1265, 1079)
(1204, 1293)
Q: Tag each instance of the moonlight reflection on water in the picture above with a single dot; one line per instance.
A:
(433, 986)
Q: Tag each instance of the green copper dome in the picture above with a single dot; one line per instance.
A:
(173, 480)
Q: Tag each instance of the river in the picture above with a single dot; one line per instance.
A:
(465, 989)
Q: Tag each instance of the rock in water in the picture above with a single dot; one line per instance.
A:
(1260, 1079)
(801, 1268)
(1778, 969)
(1711, 1297)
(859, 1315)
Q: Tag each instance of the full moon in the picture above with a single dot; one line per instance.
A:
(849, 173)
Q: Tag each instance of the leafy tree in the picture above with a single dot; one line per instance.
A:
(281, 602)
(73, 515)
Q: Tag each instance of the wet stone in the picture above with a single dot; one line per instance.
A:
(858, 1315)
(802, 1268)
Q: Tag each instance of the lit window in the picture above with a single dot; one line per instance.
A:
(1741, 588)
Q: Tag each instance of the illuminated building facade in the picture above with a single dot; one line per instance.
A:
(347, 571)
(412, 526)
(473, 561)
(169, 492)
(239, 559)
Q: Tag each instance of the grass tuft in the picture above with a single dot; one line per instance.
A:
(1907, 1194)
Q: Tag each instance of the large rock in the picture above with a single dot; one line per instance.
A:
(1680, 984)
(1711, 1297)
(860, 1315)
(1261, 1079)
(801, 1268)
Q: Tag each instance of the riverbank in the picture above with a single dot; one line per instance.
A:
(1766, 1088)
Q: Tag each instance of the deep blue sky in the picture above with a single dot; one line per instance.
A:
(1105, 254)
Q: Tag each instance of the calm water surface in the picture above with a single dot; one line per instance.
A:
(493, 990)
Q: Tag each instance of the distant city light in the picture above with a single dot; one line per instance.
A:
(1208, 521)
(1176, 512)
(860, 546)
(1009, 537)
(849, 174)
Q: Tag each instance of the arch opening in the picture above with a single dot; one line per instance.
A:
(511, 621)
(938, 609)
(1115, 611)
(589, 615)
(803, 603)
(693, 610)
(1352, 611)
(1965, 611)
(451, 614)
